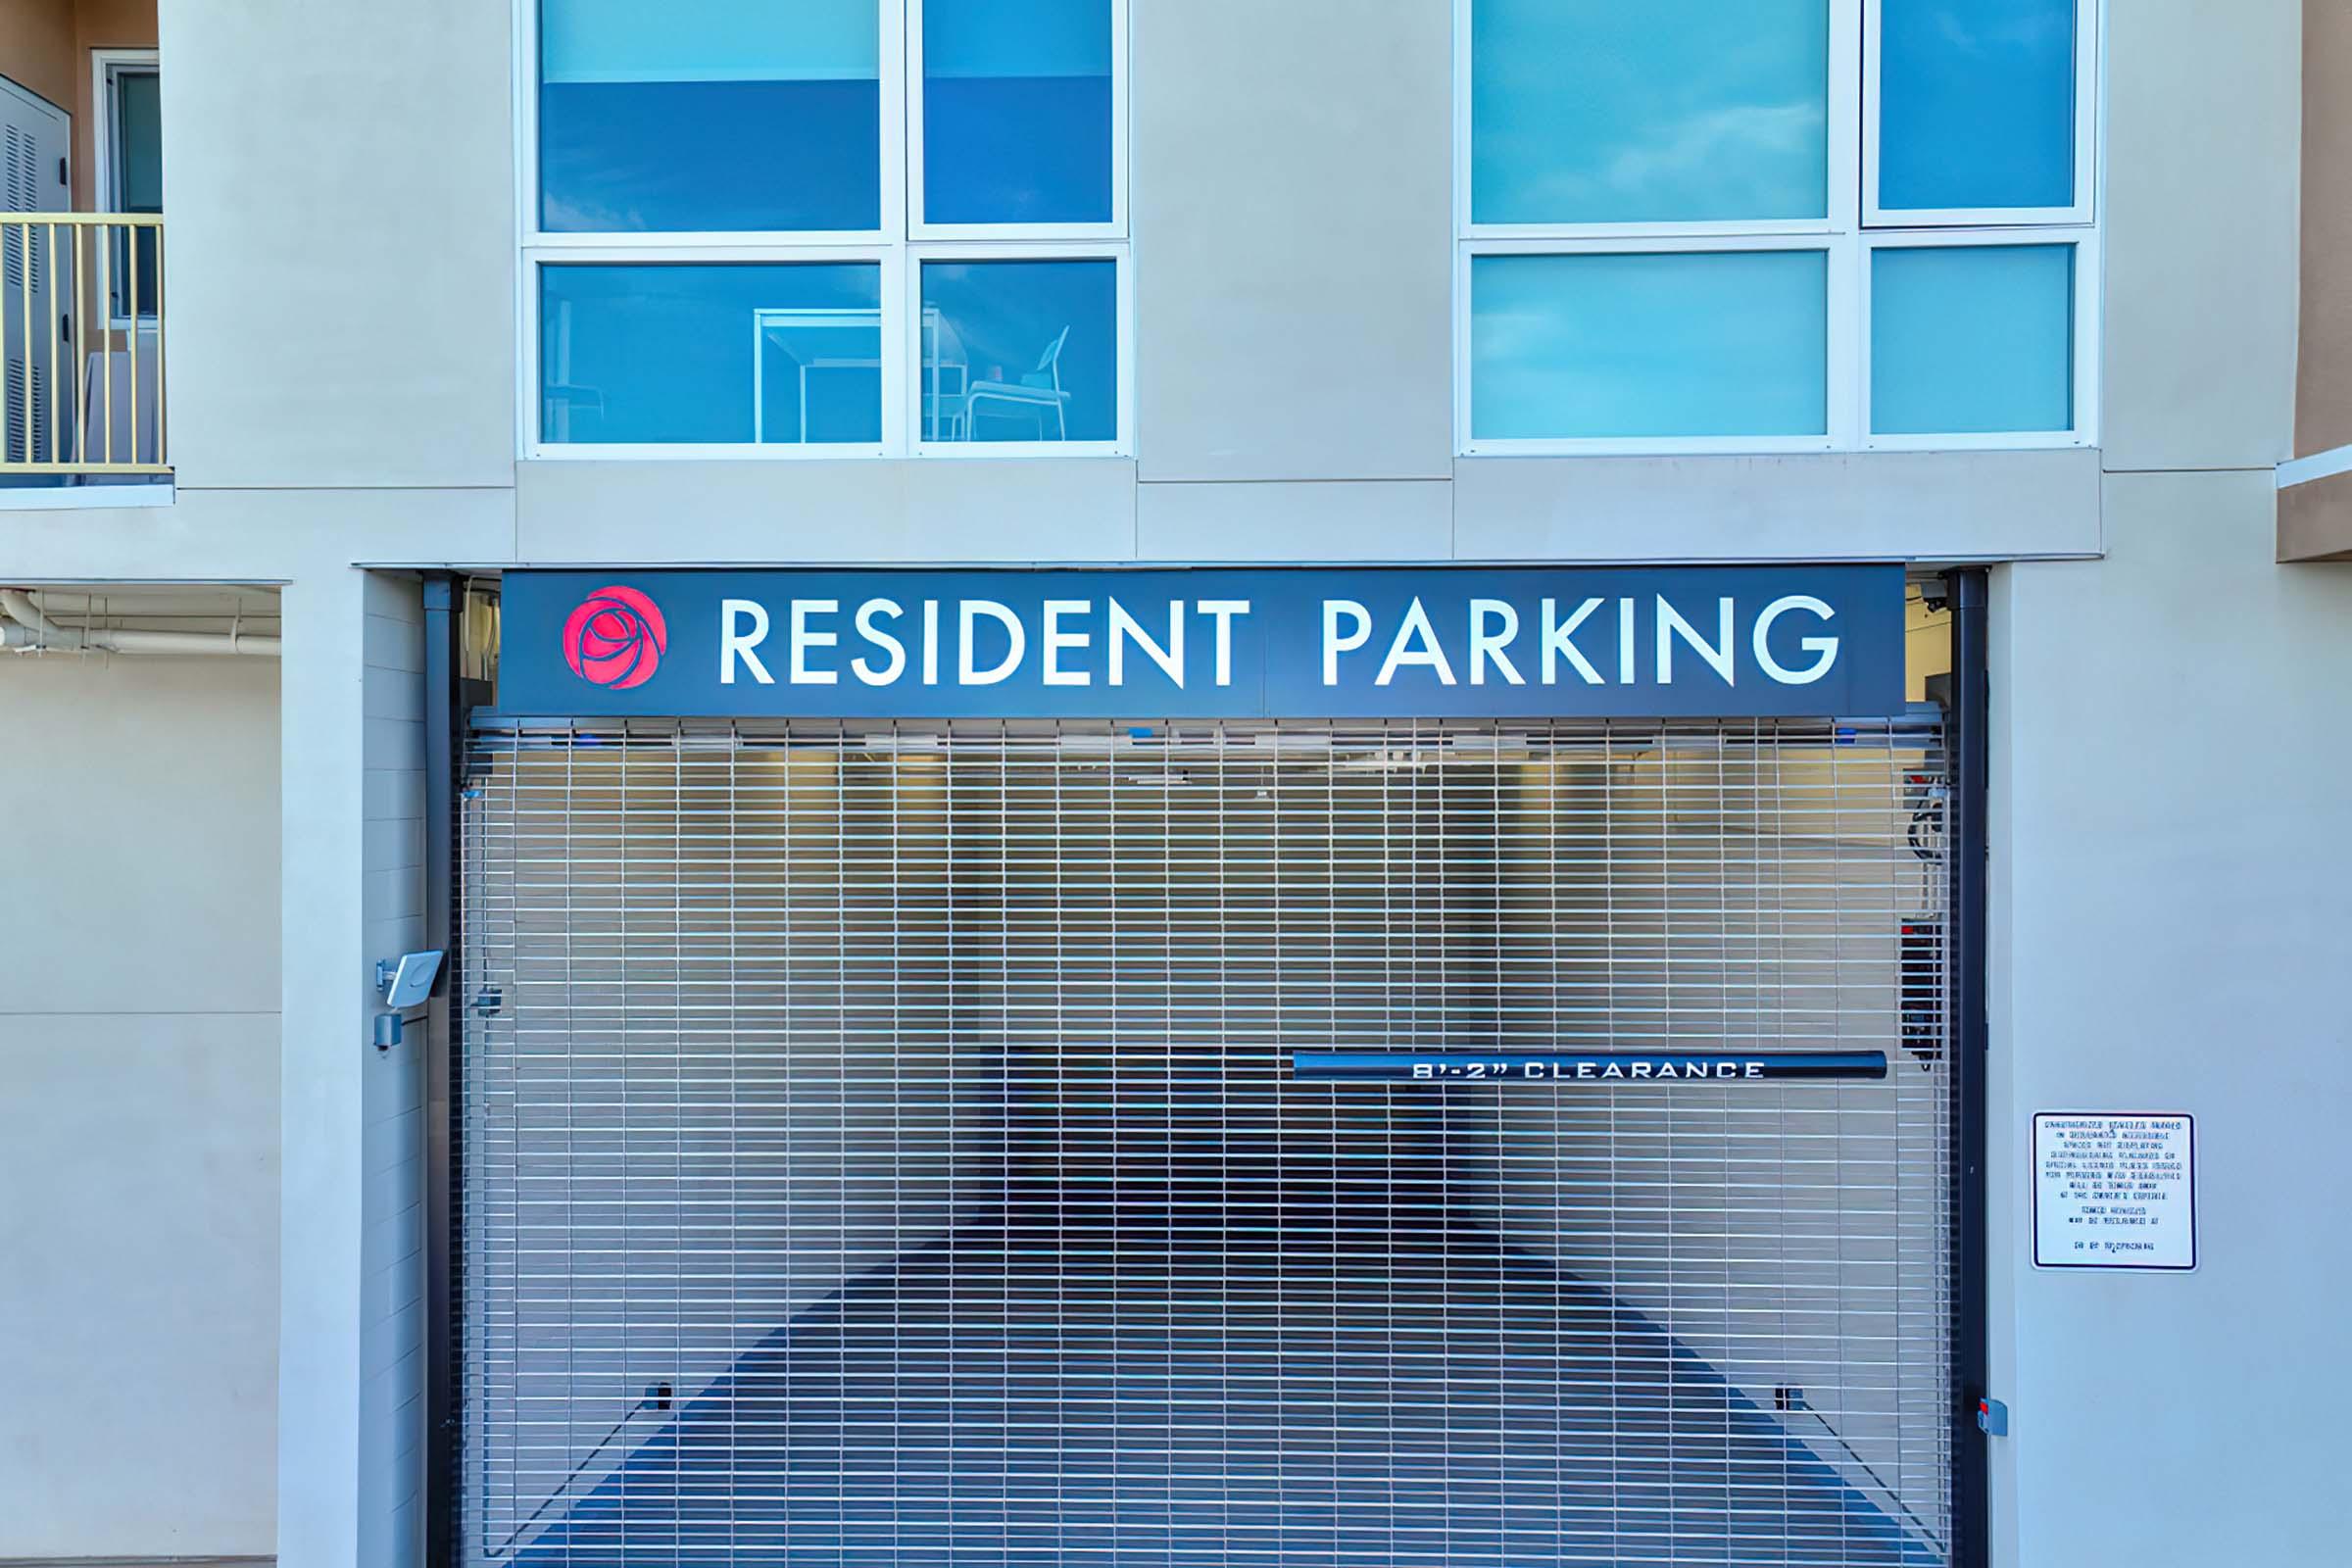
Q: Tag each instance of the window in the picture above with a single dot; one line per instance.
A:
(1758, 226)
(1667, 112)
(1970, 339)
(675, 353)
(1015, 347)
(829, 229)
(1017, 114)
(1657, 344)
(1979, 112)
(129, 165)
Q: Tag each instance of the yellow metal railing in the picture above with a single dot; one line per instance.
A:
(82, 343)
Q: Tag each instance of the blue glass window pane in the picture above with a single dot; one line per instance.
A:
(1602, 112)
(1680, 344)
(1972, 339)
(1016, 111)
(1976, 104)
(682, 115)
(711, 352)
(1020, 351)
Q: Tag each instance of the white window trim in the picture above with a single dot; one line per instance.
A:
(921, 228)
(2084, 208)
(1846, 235)
(106, 196)
(892, 247)
(104, 63)
(1840, 406)
(2086, 325)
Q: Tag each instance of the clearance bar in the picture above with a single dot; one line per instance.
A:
(1599, 1066)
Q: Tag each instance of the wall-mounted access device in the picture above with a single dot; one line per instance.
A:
(1921, 971)
(406, 981)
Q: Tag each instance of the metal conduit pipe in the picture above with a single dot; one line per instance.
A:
(27, 630)
(143, 602)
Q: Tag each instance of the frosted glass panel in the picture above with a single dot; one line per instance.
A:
(674, 353)
(721, 115)
(1016, 111)
(1602, 112)
(1684, 344)
(1976, 104)
(1970, 340)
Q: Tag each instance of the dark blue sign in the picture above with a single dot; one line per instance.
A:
(1208, 643)
(1583, 1066)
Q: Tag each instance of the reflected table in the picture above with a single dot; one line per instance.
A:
(846, 338)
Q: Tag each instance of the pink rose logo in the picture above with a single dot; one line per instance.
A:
(616, 638)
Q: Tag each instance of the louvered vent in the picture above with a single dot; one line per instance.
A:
(19, 388)
(20, 183)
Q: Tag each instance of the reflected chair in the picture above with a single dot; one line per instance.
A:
(1037, 392)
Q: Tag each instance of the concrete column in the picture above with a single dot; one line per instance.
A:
(351, 1363)
(325, 994)
(392, 1103)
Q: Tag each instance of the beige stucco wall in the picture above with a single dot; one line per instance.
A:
(139, 1066)
(2324, 369)
(2314, 518)
(2170, 885)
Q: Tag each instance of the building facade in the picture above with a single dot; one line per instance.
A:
(1402, 782)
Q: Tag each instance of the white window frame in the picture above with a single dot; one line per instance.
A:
(893, 246)
(2082, 430)
(106, 194)
(104, 66)
(1847, 234)
(2082, 211)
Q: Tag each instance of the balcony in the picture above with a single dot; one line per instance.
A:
(81, 350)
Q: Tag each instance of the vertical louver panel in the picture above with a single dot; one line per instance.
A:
(20, 192)
(20, 180)
(879, 1147)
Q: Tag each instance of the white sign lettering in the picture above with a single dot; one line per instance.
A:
(1085, 642)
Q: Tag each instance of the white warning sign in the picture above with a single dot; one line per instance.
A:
(2115, 1191)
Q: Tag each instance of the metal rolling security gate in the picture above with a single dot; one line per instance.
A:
(1283, 1140)
(886, 1142)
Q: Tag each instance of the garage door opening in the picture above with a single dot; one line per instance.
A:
(881, 1145)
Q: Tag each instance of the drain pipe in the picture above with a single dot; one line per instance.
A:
(26, 630)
